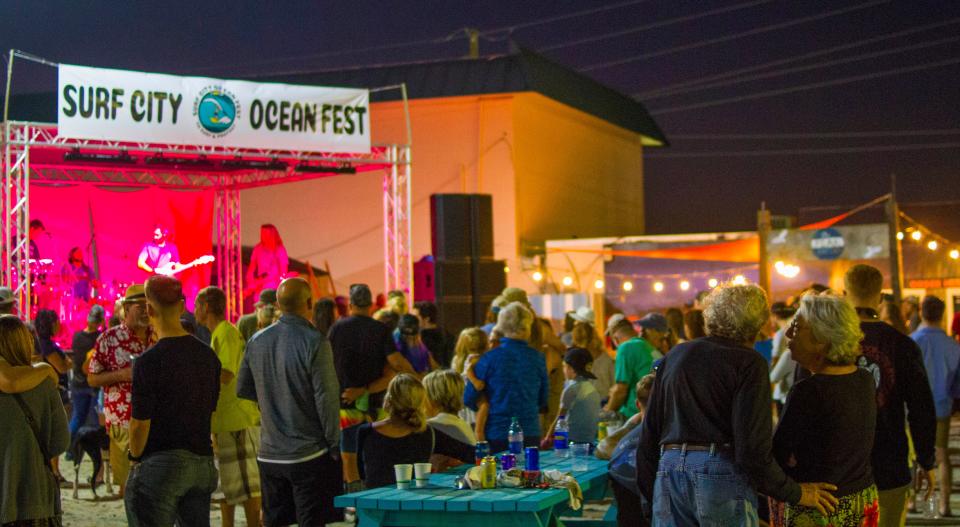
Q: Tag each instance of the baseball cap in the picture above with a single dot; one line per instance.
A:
(614, 321)
(515, 294)
(6, 296)
(409, 325)
(267, 297)
(95, 315)
(360, 295)
(654, 321)
(580, 360)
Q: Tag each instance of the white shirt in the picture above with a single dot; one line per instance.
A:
(454, 427)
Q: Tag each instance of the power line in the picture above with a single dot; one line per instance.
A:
(806, 151)
(808, 67)
(820, 135)
(781, 62)
(734, 36)
(557, 18)
(654, 25)
(804, 87)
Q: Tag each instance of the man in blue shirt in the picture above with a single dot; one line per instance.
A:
(941, 358)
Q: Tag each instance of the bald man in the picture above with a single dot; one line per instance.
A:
(288, 369)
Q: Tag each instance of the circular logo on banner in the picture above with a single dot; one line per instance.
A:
(216, 111)
(827, 244)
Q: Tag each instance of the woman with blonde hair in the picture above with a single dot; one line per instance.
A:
(34, 432)
(370, 450)
(473, 343)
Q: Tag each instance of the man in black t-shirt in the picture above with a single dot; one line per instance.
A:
(176, 384)
(362, 348)
(435, 338)
(903, 395)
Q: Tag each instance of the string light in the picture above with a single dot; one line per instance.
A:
(658, 286)
(684, 285)
(537, 276)
(916, 235)
(954, 253)
(900, 235)
(506, 268)
(628, 286)
(567, 281)
(932, 245)
(787, 270)
(598, 284)
(739, 280)
(713, 282)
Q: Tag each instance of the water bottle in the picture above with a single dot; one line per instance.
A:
(515, 439)
(561, 437)
(933, 506)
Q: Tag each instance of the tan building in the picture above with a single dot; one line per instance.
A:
(561, 154)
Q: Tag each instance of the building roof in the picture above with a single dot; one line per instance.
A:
(522, 71)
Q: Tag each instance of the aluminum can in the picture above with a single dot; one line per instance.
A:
(601, 430)
(508, 461)
(532, 458)
(483, 450)
(488, 475)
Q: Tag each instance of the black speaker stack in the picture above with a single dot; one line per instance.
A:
(466, 278)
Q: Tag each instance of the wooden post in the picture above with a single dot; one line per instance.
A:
(896, 255)
(763, 233)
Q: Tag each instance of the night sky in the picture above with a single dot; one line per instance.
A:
(798, 104)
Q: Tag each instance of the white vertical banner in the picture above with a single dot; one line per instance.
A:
(119, 105)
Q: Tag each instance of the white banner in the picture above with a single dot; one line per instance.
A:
(118, 105)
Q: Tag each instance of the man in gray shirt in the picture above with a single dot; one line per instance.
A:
(288, 369)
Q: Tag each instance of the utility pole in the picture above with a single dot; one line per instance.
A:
(763, 233)
(896, 255)
(473, 35)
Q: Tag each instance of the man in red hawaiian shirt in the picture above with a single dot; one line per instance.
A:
(111, 367)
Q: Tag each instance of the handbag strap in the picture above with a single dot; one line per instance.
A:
(35, 428)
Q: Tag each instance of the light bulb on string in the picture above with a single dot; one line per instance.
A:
(712, 283)
(537, 276)
(932, 245)
(658, 287)
(954, 253)
(916, 235)
(628, 286)
(684, 285)
(900, 235)
(739, 280)
(598, 284)
(567, 281)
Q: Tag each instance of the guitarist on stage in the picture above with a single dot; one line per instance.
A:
(160, 252)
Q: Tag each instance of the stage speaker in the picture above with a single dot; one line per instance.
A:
(461, 226)
(456, 314)
(468, 278)
(423, 280)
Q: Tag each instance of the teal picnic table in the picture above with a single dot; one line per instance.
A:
(442, 504)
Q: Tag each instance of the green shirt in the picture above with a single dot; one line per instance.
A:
(634, 359)
(232, 413)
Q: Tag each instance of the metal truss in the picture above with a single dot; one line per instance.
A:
(226, 227)
(397, 234)
(180, 169)
(16, 218)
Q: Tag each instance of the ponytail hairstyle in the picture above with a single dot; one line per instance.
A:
(405, 400)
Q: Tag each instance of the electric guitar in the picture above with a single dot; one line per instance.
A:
(174, 268)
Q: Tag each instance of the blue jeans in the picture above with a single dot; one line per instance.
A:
(83, 400)
(170, 486)
(700, 488)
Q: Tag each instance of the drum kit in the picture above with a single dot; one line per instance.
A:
(71, 297)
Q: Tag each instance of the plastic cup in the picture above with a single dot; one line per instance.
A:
(581, 454)
(421, 472)
(404, 473)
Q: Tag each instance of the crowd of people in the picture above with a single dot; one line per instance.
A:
(726, 411)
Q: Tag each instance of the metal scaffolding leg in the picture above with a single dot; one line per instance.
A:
(397, 228)
(16, 215)
(229, 251)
